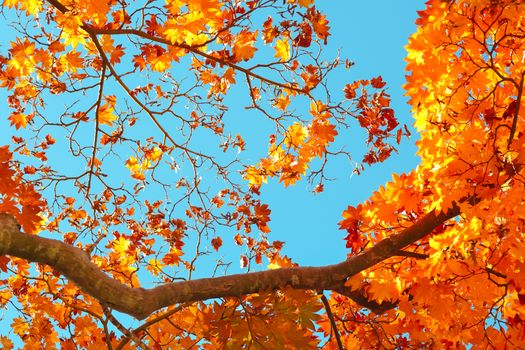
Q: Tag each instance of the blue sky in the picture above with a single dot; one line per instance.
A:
(373, 35)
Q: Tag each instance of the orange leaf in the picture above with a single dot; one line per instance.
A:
(19, 120)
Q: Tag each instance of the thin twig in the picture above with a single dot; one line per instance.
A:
(129, 335)
(516, 111)
(146, 325)
(97, 123)
(332, 322)
(412, 254)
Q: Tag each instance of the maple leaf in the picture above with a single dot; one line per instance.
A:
(279, 261)
(282, 50)
(121, 245)
(7, 344)
(19, 120)
(438, 248)
(20, 326)
(303, 3)
(377, 82)
(319, 23)
(173, 257)
(32, 7)
(282, 102)
(216, 243)
(269, 31)
(106, 113)
(295, 135)
(22, 58)
(382, 291)
(72, 61)
(72, 33)
(244, 45)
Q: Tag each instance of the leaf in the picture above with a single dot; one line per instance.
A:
(121, 245)
(216, 243)
(319, 23)
(4, 260)
(382, 291)
(303, 3)
(244, 45)
(281, 102)
(19, 120)
(282, 50)
(106, 113)
(355, 282)
(296, 135)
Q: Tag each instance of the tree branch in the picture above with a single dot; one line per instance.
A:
(195, 50)
(332, 321)
(360, 298)
(75, 264)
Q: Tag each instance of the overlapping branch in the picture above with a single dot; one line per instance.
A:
(75, 264)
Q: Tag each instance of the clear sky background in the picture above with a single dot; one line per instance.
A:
(373, 35)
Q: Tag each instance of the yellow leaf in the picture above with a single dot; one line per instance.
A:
(22, 56)
(32, 7)
(106, 116)
(121, 245)
(295, 135)
(106, 113)
(71, 32)
(282, 50)
(255, 176)
(72, 61)
(10, 3)
(19, 326)
(303, 3)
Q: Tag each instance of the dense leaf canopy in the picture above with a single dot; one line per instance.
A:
(122, 172)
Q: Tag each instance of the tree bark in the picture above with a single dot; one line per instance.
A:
(75, 265)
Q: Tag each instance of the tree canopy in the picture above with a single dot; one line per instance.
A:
(122, 172)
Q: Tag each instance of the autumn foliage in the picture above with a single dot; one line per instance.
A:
(123, 155)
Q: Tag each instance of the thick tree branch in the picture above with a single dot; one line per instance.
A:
(75, 264)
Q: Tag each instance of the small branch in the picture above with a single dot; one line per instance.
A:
(359, 297)
(124, 330)
(146, 325)
(197, 52)
(495, 273)
(97, 123)
(332, 322)
(516, 110)
(412, 254)
(96, 31)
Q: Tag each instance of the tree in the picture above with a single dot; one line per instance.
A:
(435, 256)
